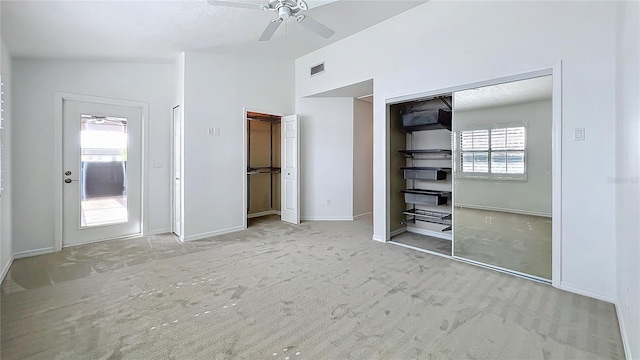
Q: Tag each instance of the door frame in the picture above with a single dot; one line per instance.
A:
(58, 167)
(245, 198)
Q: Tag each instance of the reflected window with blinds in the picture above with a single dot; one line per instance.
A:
(493, 152)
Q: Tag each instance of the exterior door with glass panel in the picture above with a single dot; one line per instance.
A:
(102, 167)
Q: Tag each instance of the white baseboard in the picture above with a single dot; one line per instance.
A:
(263, 213)
(5, 270)
(126, 237)
(327, 218)
(577, 290)
(378, 238)
(513, 211)
(36, 252)
(623, 333)
(356, 217)
(159, 231)
(398, 231)
(213, 233)
(435, 234)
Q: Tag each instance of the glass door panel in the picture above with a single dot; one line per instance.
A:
(103, 177)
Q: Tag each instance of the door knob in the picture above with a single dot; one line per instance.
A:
(68, 181)
(68, 173)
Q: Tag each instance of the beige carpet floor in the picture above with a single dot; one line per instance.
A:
(278, 291)
(424, 242)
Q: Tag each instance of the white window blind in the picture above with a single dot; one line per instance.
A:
(496, 151)
(475, 151)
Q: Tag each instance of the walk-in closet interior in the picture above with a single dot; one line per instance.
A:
(471, 175)
(421, 173)
(263, 164)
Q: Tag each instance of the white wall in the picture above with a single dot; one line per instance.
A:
(6, 251)
(448, 44)
(326, 158)
(627, 177)
(35, 84)
(532, 196)
(180, 73)
(216, 88)
(362, 157)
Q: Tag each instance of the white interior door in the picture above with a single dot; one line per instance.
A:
(102, 159)
(290, 184)
(177, 171)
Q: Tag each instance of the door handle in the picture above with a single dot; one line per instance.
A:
(68, 181)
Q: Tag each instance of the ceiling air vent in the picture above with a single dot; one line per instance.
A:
(318, 69)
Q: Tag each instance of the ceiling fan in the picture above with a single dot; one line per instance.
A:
(284, 10)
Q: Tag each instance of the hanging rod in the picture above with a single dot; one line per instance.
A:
(263, 170)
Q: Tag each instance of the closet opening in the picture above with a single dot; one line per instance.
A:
(472, 174)
(421, 174)
(263, 166)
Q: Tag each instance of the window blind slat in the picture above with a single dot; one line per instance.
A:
(475, 140)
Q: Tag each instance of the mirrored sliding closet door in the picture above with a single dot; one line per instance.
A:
(502, 179)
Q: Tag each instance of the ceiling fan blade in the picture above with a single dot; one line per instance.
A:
(317, 27)
(242, 5)
(270, 30)
(317, 3)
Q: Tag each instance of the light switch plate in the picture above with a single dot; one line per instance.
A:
(578, 134)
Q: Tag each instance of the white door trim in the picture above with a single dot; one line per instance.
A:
(58, 169)
(556, 207)
(556, 177)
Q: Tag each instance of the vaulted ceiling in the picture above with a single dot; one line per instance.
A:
(159, 30)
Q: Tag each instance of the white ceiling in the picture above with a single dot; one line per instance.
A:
(516, 92)
(159, 30)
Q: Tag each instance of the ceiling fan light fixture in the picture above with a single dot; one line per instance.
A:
(285, 10)
(284, 13)
(294, 5)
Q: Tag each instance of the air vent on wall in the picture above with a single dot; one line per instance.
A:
(318, 69)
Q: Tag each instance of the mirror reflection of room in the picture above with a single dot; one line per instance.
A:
(502, 176)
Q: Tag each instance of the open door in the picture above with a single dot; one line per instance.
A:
(290, 181)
